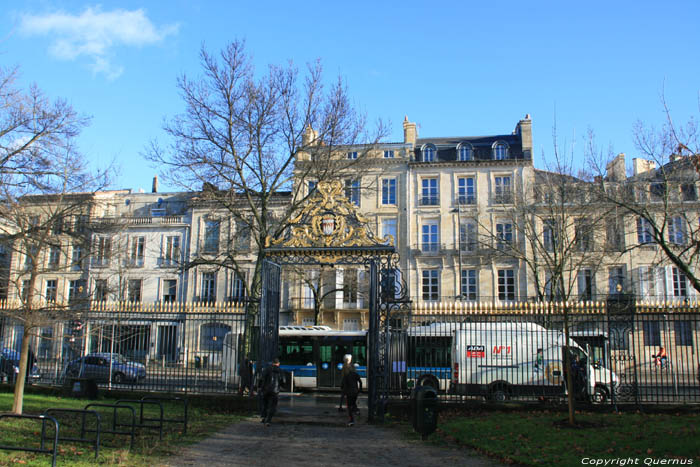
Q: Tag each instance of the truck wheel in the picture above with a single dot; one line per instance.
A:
(118, 378)
(429, 380)
(499, 393)
(600, 395)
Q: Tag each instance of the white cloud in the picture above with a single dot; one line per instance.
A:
(95, 33)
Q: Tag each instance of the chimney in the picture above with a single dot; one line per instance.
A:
(640, 166)
(309, 137)
(524, 129)
(615, 170)
(154, 188)
(410, 132)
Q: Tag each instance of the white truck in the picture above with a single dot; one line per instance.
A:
(503, 360)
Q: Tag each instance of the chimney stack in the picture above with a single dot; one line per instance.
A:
(154, 188)
(615, 170)
(640, 166)
(410, 132)
(524, 129)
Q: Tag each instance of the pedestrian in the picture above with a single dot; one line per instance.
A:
(246, 376)
(351, 385)
(272, 380)
(347, 363)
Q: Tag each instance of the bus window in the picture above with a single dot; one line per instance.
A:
(359, 352)
(296, 352)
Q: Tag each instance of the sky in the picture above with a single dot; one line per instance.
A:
(457, 68)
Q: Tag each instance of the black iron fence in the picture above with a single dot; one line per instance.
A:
(146, 351)
(621, 352)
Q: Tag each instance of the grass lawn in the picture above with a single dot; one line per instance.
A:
(114, 449)
(543, 437)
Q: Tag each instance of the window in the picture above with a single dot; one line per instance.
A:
(352, 191)
(431, 285)
(644, 231)
(169, 290)
(77, 258)
(208, 287)
(54, 256)
(57, 227)
(467, 236)
(585, 284)
(645, 278)
(352, 155)
(614, 232)
(429, 192)
(242, 241)
(616, 280)
(388, 191)
(388, 154)
(683, 331)
(680, 283)
(171, 254)
(553, 286)
(29, 258)
(429, 237)
(688, 192)
(212, 335)
(500, 151)
(466, 193)
(312, 186)
(389, 228)
(211, 236)
(134, 290)
(676, 230)
(350, 286)
(465, 152)
(468, 287)
(136, 254)
(502, 191)
(504, 235)
(583, 231)
(429, 153)
(104, 249)
(51, 290)
(75, 290)
(101, 292)
(549, 235)
(658, 190)
(24, 292)
(237, 288)
(652, 333)
(506, 284)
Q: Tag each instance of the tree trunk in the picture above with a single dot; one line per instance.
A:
(18, 401)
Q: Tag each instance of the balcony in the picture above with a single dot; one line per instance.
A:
(429, 201)
(466, 200)
(502, 198)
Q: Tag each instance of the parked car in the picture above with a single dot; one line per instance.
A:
(97, 366)
(9, 366)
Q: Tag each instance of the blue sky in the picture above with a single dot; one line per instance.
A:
(455, 68)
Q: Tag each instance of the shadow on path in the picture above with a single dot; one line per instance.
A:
(309, 431)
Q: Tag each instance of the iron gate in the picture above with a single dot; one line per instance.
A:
(269, 313)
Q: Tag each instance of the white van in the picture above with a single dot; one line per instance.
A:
(500, 360)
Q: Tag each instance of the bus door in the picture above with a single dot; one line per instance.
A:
(330, 363)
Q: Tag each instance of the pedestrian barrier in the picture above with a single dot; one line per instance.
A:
(142, 424)
(185, 403)
(115, 425)
(41, 449)
(83, 431)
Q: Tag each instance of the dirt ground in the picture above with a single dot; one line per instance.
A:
(316, 435)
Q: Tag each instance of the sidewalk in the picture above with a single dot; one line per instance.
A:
(309, 431)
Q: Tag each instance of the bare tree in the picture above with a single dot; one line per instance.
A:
(44, 207)
(251, 142)
(659, 198)
(555, 229)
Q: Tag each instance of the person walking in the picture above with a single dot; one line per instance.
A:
(351, 385)
(347, 363)
(272, 380)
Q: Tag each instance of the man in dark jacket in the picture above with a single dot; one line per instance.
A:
(272, 381)
(351, 385)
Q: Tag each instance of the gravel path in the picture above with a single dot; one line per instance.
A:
(286, 443)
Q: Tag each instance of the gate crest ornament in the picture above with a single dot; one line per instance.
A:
(328, 220)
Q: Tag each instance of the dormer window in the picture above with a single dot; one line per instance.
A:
(429, 153)
(465, 152)
(500, 151)
(352, 155)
